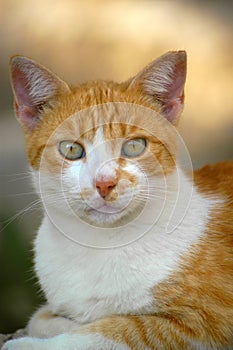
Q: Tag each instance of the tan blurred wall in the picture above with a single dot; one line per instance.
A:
(83, 40)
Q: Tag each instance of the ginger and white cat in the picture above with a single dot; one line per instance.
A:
(104, 161)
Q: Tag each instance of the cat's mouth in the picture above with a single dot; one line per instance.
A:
(112, 214)
(106, 208)
(105, 214)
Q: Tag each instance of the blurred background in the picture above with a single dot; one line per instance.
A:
(84, 39)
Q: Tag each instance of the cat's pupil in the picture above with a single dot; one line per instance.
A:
(71, 151)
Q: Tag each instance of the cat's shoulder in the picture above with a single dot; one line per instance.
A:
(215, 178)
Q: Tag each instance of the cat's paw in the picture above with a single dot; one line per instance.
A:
(60, 342)
(65, 342)
(25, 343)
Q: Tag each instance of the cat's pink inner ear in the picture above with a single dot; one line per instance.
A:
(27, 115)
(173, 97)
(33, 86)
(164, 81)
(25, 110)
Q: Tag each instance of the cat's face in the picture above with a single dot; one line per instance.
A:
(102, 149)
(104, 170)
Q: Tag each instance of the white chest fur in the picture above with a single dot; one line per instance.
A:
(87, 283)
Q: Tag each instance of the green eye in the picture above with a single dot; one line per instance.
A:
(71, 150)
(134, 147)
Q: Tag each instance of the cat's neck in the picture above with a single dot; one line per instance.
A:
(153, 255)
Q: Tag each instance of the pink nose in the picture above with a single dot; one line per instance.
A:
(104, 187)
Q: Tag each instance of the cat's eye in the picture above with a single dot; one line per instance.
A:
(133, 147)
(71, 150)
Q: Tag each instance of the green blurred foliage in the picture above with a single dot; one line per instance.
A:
(19, 290)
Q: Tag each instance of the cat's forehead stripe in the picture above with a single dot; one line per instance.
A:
(99, 136)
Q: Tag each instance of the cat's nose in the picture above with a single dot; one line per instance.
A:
(104, 187)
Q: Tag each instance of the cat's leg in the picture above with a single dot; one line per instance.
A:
(50, 331)
(45, 324)
(148, 332)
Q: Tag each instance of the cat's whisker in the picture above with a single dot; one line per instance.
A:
(21, 194)
(152, 192)
(144, 199)
(18, 177)
(51, 199)
(32, 206)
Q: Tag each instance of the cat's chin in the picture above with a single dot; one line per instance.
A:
(107, 218)
(103, 218)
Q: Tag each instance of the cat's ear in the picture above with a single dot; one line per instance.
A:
(163, 80)
(33, 86)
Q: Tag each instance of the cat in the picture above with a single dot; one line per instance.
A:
(133, 252)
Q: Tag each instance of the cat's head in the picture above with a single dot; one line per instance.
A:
(103, 147)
